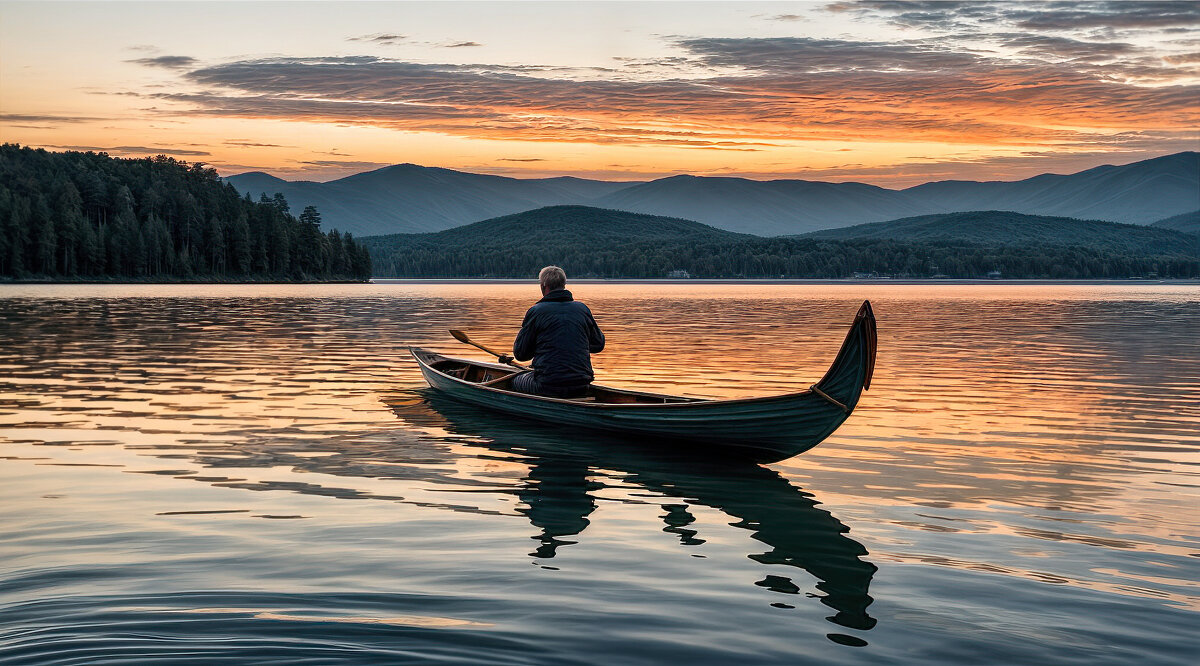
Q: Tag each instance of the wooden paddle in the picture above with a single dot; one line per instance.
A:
(462, 336)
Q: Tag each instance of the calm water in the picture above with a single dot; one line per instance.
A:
(253, 472)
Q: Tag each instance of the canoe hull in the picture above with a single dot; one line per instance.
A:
(775, 426)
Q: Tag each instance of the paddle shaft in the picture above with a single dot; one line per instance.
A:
(463, 337)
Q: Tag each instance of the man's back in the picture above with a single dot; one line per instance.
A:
(560, 335)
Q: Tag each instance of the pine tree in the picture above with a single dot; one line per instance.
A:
(239, 242)
(214, 243)
(20, 223)
(311, 217)
(68, 216)
(45, 239)
(7, 232)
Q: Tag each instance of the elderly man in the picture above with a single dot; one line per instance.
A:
(560, 335)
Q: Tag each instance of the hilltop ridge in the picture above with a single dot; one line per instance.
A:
(995, 227)
(1186, 222)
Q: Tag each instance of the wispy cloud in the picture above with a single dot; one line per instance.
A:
(167, 62)
(1182, 58)
(251, 144)
(344, 164)
(379, 38)
(141, 150)
(48, 118)
(1138, 14)
(1050, 16)
(1055, 47)
(459, 45)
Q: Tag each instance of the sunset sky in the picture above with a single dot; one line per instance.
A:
(882, 92)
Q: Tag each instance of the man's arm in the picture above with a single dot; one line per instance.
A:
(526, 341)
(595, 335)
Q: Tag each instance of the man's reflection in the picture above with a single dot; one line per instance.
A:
(557, 500)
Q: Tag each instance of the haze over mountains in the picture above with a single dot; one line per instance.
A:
(408, 198)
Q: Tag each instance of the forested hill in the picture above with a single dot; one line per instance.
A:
(1187, 222)
(75, 215)
(995, 227)
(595, 242)
(582, 225)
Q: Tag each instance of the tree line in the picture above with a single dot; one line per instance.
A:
(425, 256)
(86, 215)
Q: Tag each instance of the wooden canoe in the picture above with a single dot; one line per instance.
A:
(774, 426)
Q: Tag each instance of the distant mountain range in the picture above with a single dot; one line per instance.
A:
(407, 198)
(597, 242)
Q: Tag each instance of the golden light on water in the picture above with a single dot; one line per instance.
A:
(262, 461)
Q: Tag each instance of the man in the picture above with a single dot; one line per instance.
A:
(560, 335)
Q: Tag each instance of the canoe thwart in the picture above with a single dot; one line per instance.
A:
(502, 379)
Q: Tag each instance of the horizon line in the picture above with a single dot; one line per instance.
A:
(181, 157)
(633, 181)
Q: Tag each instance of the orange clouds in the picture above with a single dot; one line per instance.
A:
(758, 93)
(952, 82)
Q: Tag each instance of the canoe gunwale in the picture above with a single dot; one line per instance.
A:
(418, 352)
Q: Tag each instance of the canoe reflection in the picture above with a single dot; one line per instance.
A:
(558, 497)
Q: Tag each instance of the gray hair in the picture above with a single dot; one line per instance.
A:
(552, 277)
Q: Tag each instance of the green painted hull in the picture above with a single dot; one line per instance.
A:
(775, 426)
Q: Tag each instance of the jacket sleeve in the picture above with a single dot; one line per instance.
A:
(595, 335)
(526, 341)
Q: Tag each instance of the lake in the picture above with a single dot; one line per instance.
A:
(254, 473)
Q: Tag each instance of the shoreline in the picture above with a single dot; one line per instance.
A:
(214, 282)
(656, 281)
(786, 281)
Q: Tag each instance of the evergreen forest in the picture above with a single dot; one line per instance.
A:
(89, 216)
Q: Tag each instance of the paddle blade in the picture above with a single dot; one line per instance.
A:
(460, 336)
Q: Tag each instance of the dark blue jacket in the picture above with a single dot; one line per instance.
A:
(560, 335)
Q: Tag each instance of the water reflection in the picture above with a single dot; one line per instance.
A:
(558, 497)
(1023, 472)
(557, 501)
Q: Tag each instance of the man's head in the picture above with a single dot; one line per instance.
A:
(551, 278)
